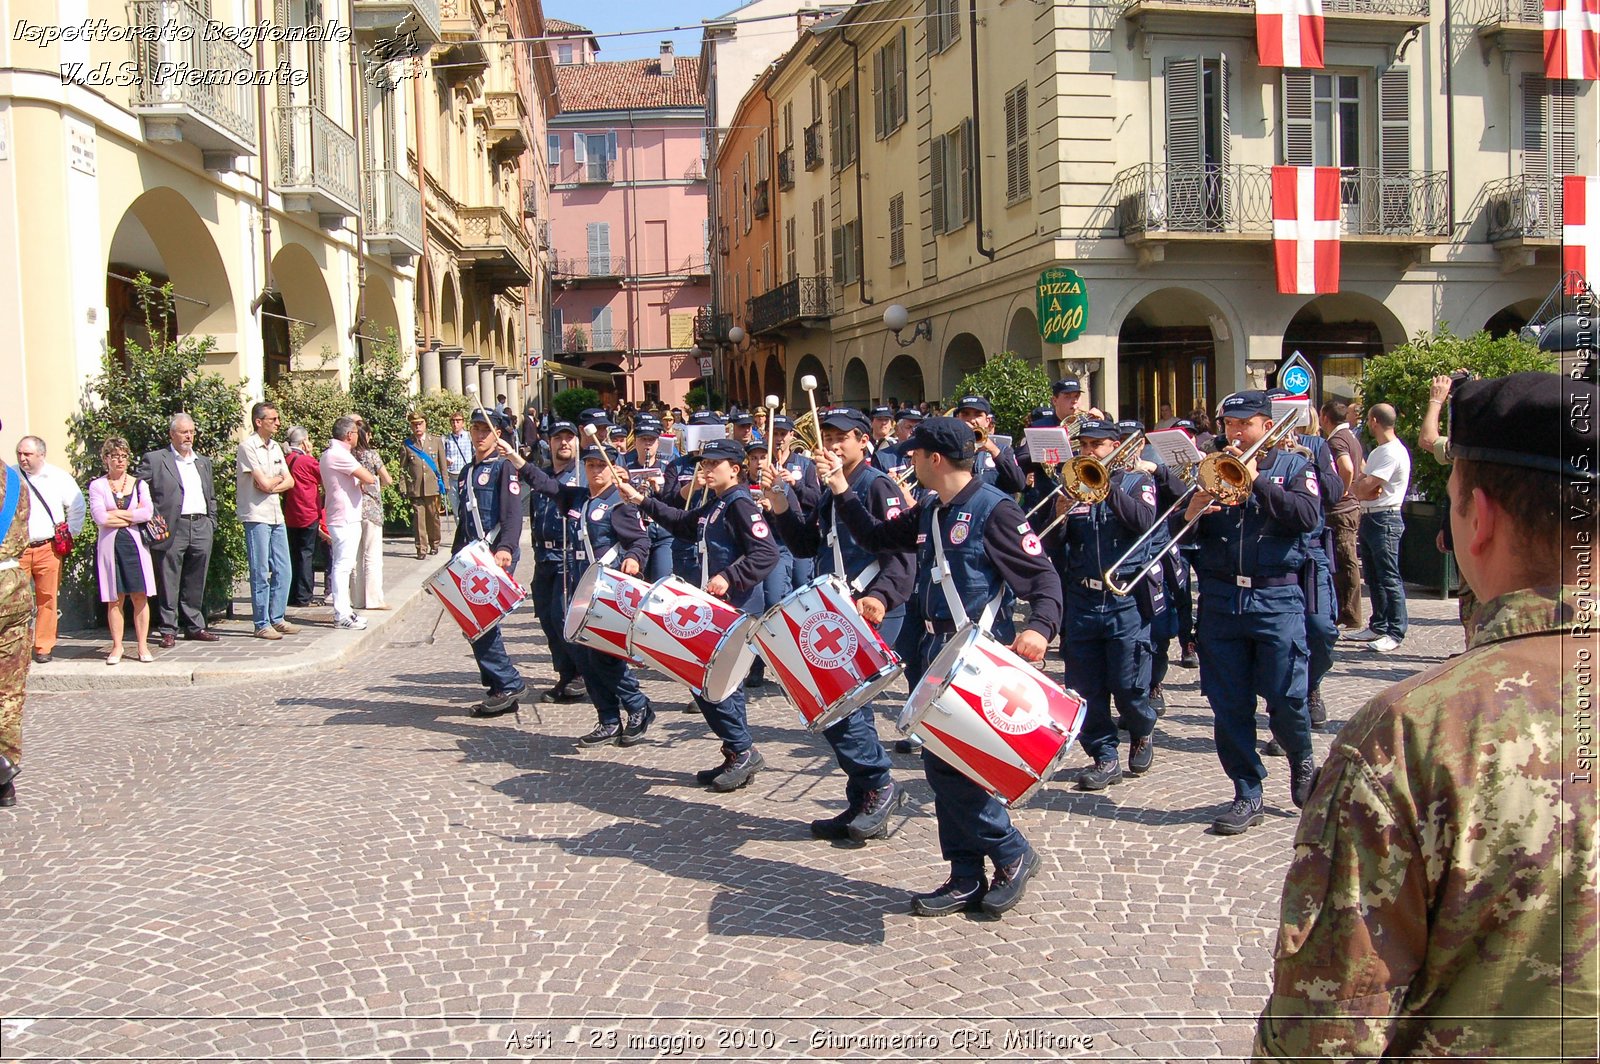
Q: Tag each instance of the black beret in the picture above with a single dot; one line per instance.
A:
(731, 450)
(1543, 421)
(949, 436)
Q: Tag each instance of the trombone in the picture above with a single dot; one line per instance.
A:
(1223, 477)
(1088, 480)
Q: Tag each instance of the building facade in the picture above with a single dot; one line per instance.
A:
(949, 155)
(628, 226)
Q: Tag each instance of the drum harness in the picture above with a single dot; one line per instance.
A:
(941, 576)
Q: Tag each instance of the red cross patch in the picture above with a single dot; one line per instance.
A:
(1312, 482)
(1031, 544)
(516, 486)
(892, 511)
(758, 528)
(1148, 493)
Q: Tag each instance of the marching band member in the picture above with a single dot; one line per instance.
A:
(880, 583)
(884, 453)
(994, 464)
(1252, 610)
(489, 501)
(1105, 639)
(646, 455)
(741, 428)
(910, 417)
(680, 489)
(736, 554)
(552, 533)
(800, 473)
(985, 546)
(606, 528)
(777, 585)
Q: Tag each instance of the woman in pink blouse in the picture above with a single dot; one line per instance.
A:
(120, 503)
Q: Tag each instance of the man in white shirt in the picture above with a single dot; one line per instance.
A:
(342, 479)
(263, 477)
(457, 453)
(183, 489)
(56, 499)
(1381, 487)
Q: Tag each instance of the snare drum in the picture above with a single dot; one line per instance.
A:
(603, 606)
(828, 659)
(693, 637)
(998, 720)
(474, 590)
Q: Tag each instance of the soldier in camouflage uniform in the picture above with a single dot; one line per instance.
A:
(1442, 897)
(16, 640)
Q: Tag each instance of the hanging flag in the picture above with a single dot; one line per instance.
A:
(1572, 39)
(1580, 231)
(1289, 33)
(1305, 228)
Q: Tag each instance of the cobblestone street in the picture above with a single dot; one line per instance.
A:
(346, 865)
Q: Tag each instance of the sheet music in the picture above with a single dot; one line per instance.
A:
(1300, 409)
(693, 437)
(1001, 441)
(1048, 445)
(1174, 446)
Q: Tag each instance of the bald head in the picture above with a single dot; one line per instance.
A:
(1383, 414)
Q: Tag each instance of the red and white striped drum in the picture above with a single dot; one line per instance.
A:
(828, 659)
(988, 713)
(603, 606)
(694, 637)
(474, 590)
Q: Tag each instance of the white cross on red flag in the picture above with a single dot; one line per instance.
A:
(1572, 39)
(1289, 33)
(1580, 231)
(1305, 228)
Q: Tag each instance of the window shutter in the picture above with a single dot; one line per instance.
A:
(1394, 149)
(580, 149)
(902, 97)
(1018, 179)
(879, 126)
(1184, 143)
(952, 25)
(936, 163)
(1299, 133)
(611, 145)
(838, 256)
(1535, 133)
(1224, 129)
(966, 170)
(552, 145)
(897, 231)
(833, 127)
(1563, 126)
(933, 26)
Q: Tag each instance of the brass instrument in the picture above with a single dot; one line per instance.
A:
(807, 438)
(1088, 480)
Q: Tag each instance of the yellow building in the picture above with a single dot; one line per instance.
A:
(261, 155)
(949, 154)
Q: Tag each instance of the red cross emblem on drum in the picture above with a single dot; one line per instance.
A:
(479, 586)
(628, 600)
(688, 620)
(827, 640)
(1008, 705)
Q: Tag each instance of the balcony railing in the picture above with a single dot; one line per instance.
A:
(1409, 8)
(393, 212)
(711, 328)
(1237, 200)
(813, 145)
(591, 172)
(316, 162)
(1523, 208)
(590, 266)
(530, 199)
(786, 169)
(761, 200)
(540, 229)
(800, 299)
(576, 339)
(1514, 12)
(218, 115)
(387, 16)
(496, 245)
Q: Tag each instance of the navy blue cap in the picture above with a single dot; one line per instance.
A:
(1246, 404)
(909, 413)
(732, 450)
(881, 411)
(845, 419)
(782, 423)
(596, 417)
(646, 426)
(704, 417)
(1094, 428)
(1128, 426)
(1042, 416)
(1185, 424)
(949, 436)
(598, 454)
(757, 444)
(975, 402)
(480, 416)
(741, 418)
(1065, 385)
(563, 426)
(1283, 393)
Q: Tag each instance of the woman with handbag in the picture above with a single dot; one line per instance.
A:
(120, 503)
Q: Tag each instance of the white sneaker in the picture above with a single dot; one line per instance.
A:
(1383, 644)
(357, 623)
(1366, 635)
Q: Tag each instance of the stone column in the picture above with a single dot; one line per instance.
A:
(500, 386)
(514, 392)
(469, 372)
(486, 383)
(451, 357)
(428, 369)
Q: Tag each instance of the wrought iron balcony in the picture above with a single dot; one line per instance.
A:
(577, 339)
(1523, 208)
(393, 214)
(1409, 9)
(1523, 13)
(399, 19)
(508, 120)
(761, 199)
(580, 266)
(813, 145)
(1157, 201)
(711, 328)
(530, 199)
(589, 172)
(217, 116)
(791, 303)
(540, 228)
(496, 246)
(786, 169)
(316, 169)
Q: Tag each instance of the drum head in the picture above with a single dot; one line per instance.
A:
(663, 589)
(731, 661)
(941, 671)
(579, 606)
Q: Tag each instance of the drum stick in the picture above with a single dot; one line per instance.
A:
(617, 471)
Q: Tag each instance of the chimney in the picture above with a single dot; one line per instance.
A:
(669, 63)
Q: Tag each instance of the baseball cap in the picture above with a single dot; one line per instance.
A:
(1094, 428)
(845, 419)
(949, 436)
(731, 450)
(704, 417)
(1246, 404)
(1128, 426)
(881, 411)
(598, 454)
(563, 426)
(910, 414)
(1066, 384)
(782, 423)
(975, 402)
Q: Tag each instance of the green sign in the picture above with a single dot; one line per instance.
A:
(1063, 305)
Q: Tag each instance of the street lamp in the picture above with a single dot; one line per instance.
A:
(896, 318)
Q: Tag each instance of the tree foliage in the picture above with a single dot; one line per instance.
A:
(570, 403)
(702, 398)
(1014, 387)
(134, 396)
(1403, 376)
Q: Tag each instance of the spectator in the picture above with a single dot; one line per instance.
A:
(183, 489)
(263, 477)
(57, 504)
(1204, 433)
(457, 452)
(1344, 519)
(368, 593)
(528, 433)
(422, 483)
(302, 515)
(343, 479)
(502, 407)
(121, 503)
(1385, 476)
(1430, 440)
(1165, 416)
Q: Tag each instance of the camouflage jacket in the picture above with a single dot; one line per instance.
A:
(1442, 895)
(16, 588)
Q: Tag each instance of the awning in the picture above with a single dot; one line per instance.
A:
(579, 373)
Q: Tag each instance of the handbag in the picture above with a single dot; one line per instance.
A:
(61, 541)
(155, 530)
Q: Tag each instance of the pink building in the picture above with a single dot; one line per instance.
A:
(628, 217)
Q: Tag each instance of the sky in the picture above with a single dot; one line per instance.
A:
(604, 16)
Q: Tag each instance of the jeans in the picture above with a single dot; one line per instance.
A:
(1380, 556)
(346, 542)
(267, 548)
(302, 565)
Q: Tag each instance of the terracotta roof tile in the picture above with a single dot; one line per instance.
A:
(555, 25)
(634, 84)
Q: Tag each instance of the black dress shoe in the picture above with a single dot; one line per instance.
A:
(954, 896)
(202, 635)
(1010, 883)
(40, 659)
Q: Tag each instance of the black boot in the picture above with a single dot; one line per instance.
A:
(603, 735)
(706, 775)
(1302, 775)
(834, 828)
(1158, 701)
(1141, 755)
(1191, 657)
(873, 820)
(1242, 815)
(1319, 710)
(740, 770)
(638, 723)
(953, 896)
(1105, 771)
(9, 771)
